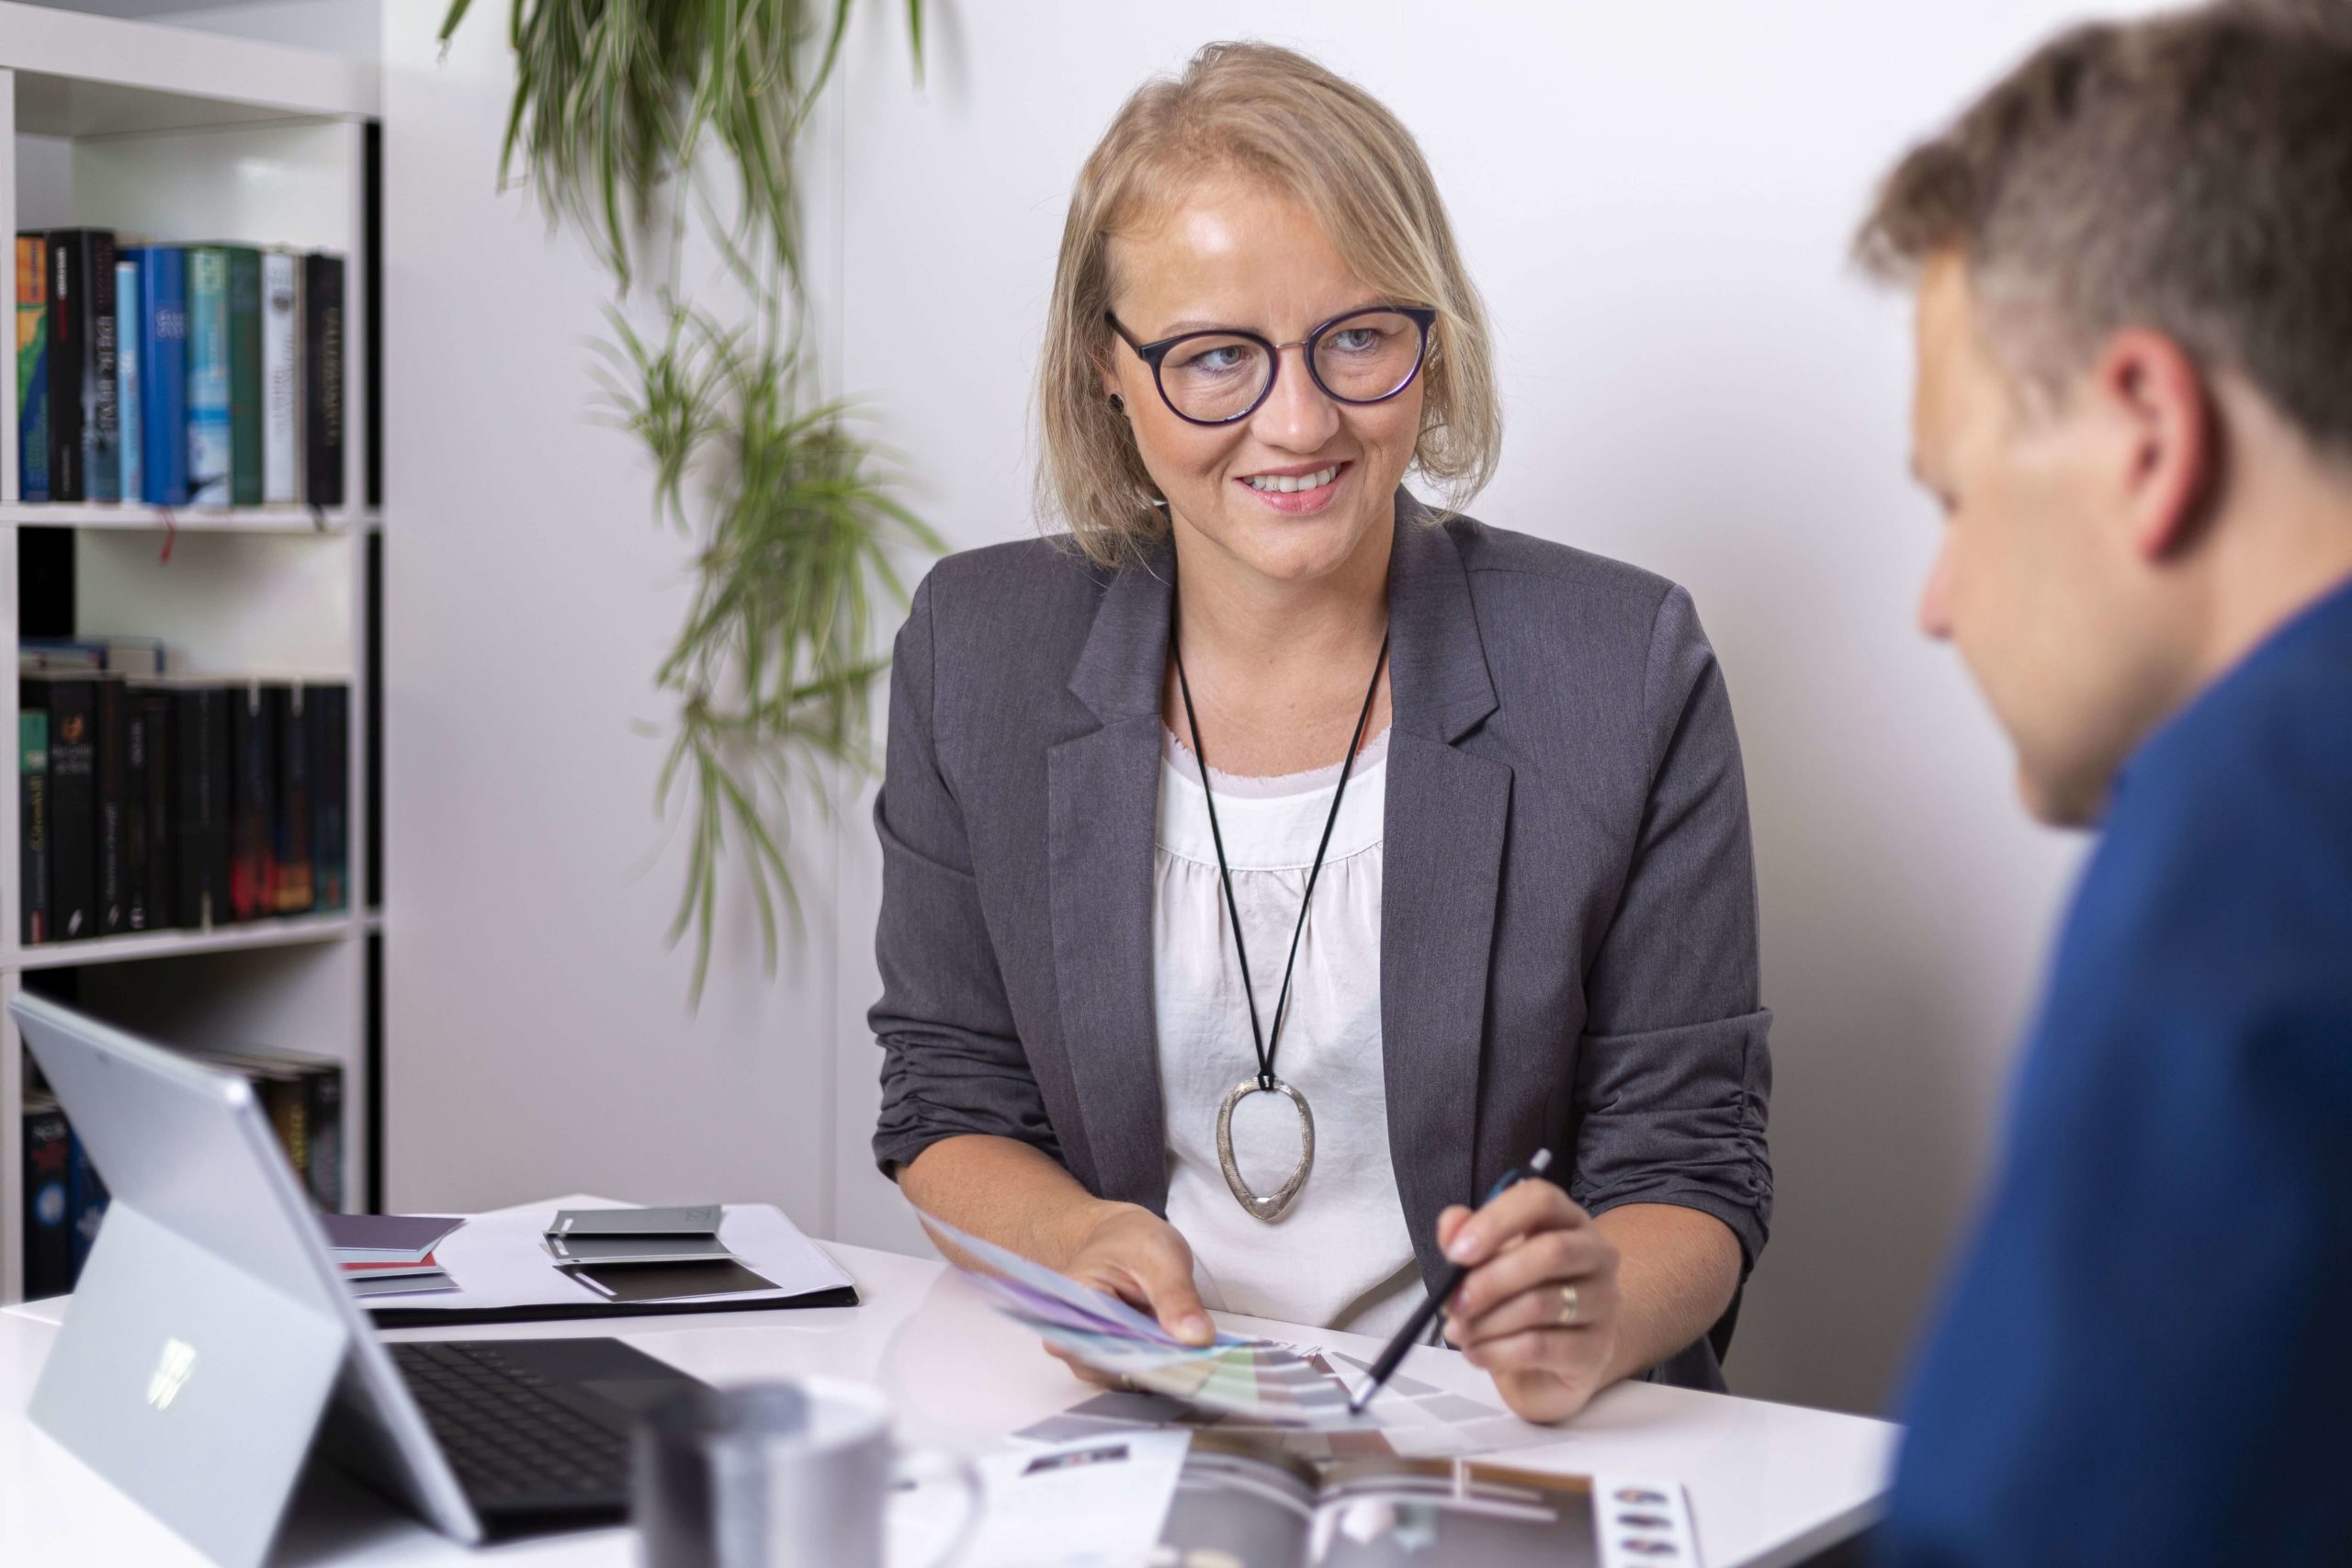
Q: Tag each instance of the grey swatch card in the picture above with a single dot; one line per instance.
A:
(668, 1282)
(575, 1250)
(699, 1219)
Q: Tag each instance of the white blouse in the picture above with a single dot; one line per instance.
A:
(1341, 1256)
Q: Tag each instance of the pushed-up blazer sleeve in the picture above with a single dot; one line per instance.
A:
(952, 1059)
(1674, 1072)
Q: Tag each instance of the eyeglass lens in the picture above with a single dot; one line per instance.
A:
(1357, 360)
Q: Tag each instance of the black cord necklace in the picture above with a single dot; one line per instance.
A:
(1267, 1041)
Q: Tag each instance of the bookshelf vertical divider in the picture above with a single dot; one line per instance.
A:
(153, 129)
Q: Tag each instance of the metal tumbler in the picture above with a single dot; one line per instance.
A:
(788, 1474)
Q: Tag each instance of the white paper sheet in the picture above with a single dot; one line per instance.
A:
(496, 1263)
(1098, 1503)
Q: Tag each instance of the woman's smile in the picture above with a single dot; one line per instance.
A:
(1299, 490)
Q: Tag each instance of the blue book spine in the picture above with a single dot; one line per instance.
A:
(128, 364)
(162, 362)
(208, 375)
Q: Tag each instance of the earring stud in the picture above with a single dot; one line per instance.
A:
(1118, 403)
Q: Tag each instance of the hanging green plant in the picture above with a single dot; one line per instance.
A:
(793, 511)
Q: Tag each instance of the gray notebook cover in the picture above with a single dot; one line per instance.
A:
(699, 1219)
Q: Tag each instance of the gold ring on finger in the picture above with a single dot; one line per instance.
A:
(1568, 1306)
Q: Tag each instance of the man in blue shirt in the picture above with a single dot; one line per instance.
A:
(2133, 266)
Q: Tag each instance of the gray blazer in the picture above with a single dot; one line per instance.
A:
(1568, 944)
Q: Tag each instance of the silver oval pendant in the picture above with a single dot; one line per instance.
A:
(1269, 1207)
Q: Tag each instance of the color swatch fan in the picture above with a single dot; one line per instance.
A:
(1234, 1376)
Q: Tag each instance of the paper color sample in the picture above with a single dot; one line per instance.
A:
(572, 1250)
(385, 1238)
(1411, 1419)
(669, 1282)
(1242, 1377)
(499, 1265)
(1116, 1314)
(698, 1219)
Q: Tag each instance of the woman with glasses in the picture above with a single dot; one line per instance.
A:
(1277, 859)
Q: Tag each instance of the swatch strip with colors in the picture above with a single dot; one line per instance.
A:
(1233, 1375)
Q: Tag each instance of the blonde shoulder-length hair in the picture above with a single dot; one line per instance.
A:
(1271, 113)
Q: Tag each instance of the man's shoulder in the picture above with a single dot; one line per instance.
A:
(2262, 759)
(2222, 886)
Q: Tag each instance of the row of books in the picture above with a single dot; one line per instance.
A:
(64, 1196)
(153, 801)
(207, 375)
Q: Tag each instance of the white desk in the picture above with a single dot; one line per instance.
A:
(1771, 1483)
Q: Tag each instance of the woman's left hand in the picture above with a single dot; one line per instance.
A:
(1539, 1310)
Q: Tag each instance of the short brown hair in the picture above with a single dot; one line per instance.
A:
(1269, 113)
(2189, 173)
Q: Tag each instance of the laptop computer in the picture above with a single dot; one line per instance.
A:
(211, 1334)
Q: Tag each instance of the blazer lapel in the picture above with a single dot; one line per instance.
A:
(1443, 832)
(1102, 803)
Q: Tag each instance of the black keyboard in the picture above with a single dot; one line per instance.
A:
(519, 1449)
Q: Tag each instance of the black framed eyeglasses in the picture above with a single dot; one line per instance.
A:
(1216, 377)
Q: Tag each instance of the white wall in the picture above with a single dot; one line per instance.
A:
(539, 1036)
(1656, 200)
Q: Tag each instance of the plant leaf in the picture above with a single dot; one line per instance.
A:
(793, 514)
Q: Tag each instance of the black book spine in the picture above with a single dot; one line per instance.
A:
(32, 808)
(200, 806)
(251, 851)
(49, 1234)
(73, 809)
(69, 335)
(221, 801)
(292, 888)
(155, 805)
(113, 794)
(85, 437)
(135, 762)
(331, 789)
(323, 357)
(101, 394)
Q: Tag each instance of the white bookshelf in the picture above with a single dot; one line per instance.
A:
(177, 135)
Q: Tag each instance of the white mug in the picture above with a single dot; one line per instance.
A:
(788, 1474)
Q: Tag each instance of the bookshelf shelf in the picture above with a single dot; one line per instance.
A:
(180, 136)
(185, 519)
(83, 75)
(280, 932)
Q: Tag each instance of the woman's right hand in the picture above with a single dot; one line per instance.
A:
(1135, 1254)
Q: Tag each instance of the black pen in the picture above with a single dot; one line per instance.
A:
(1411, 1333)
